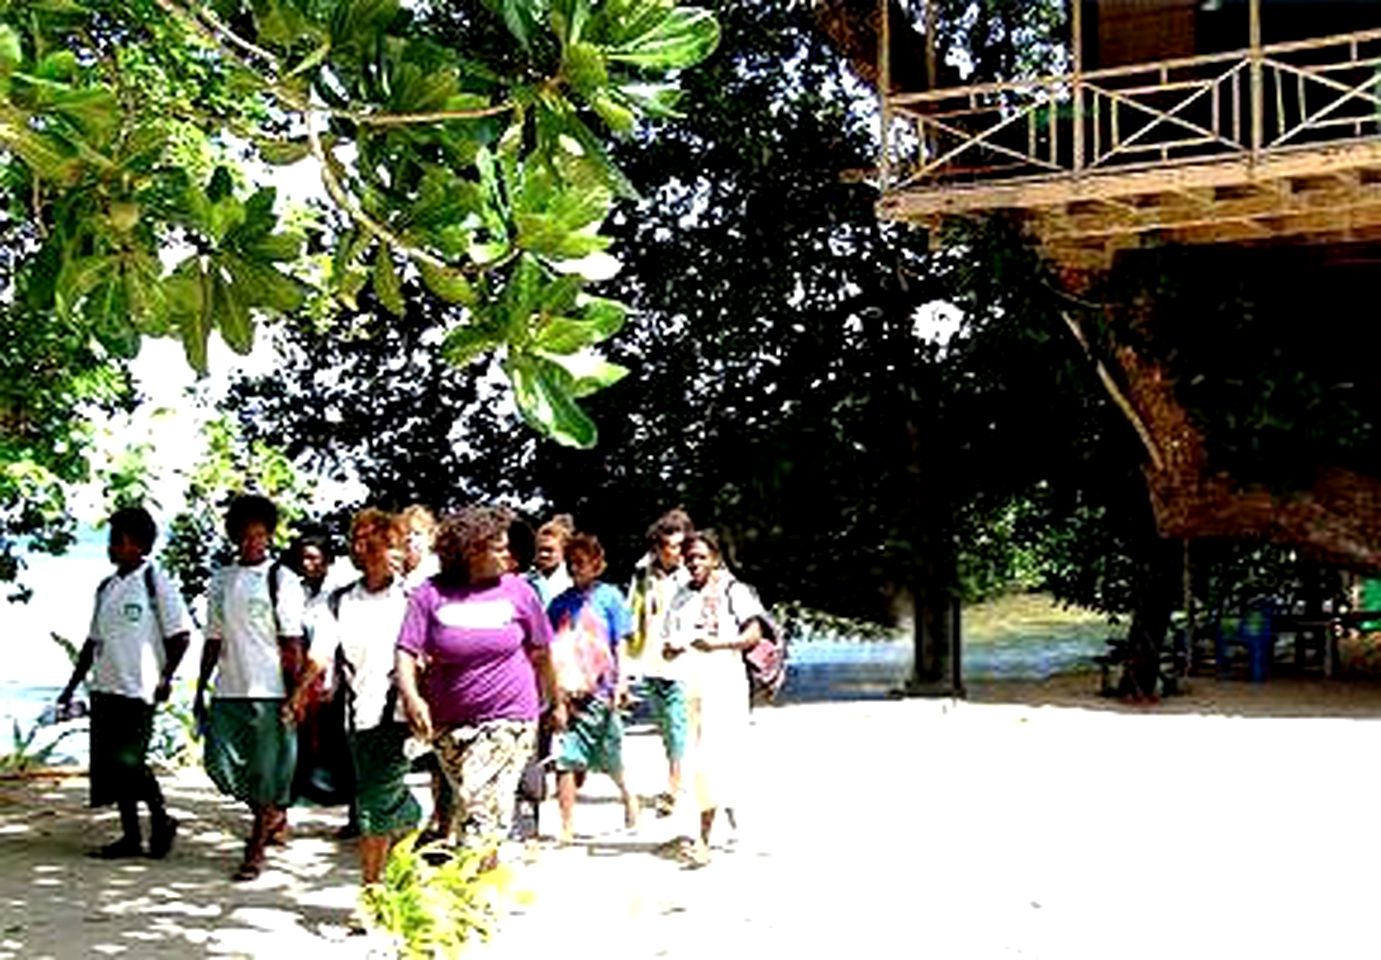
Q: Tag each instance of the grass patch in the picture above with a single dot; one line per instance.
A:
(1033, 618)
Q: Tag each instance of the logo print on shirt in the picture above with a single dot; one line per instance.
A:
(477, 615)
(132, 612)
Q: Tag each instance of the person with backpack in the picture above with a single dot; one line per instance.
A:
(138, 636)
(323, 775)
(253, 643)
(657, 578)
(590, 629)
(357, 635)
(713, 621)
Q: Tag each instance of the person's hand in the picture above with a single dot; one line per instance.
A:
(622, 698)
(199, 710)
(670, 651)
(703, 645)
(295, 708)
(419, 718)
(560, 716)
(163, 691)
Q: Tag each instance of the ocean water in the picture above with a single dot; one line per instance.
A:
(819, 667)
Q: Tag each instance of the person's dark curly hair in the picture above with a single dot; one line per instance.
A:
(246, 509)
(465, 532)
(135, 523)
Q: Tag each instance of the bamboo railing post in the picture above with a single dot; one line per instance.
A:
(1077, 84)
(885, 93)
(1258, 110)
(932, 69)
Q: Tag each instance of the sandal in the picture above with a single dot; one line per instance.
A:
(249, 870)
(694, 855)
(161, 839)
(665, 804)
(122, 849)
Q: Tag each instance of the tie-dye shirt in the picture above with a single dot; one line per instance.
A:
(587, 627)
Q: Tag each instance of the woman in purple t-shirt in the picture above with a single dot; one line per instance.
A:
(484, 638)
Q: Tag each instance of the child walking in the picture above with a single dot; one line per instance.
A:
(253, 645)
(138, 635)
(591, 624)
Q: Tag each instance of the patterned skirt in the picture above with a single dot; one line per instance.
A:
(250, 752)
(484, 764)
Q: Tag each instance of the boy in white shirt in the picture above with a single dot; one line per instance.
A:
(254, 646)
(139, 632)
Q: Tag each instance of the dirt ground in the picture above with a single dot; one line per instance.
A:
(1032, 820)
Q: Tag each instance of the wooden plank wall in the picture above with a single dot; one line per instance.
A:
(1140, 31)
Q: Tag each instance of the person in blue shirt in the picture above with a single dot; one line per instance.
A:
(591, 624)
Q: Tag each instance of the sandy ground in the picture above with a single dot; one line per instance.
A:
(1033, 820)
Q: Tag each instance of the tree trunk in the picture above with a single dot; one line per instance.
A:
(935, 670)
(1159, 568)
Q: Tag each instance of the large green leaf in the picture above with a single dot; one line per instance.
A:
(686, 36)
(543, 394)
(468, 341)
(231, 311)
(449, 285)
(587, 371)
(387, 287)
(11, 48)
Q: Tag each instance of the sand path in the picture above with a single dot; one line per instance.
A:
(987, 828)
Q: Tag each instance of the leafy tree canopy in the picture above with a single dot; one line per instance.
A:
(463, 147)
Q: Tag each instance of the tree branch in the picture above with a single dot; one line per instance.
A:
(1115, 392)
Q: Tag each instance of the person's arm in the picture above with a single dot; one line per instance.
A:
(419, 714)
(546, 680)
(210, 656)
(292, 609)
(174, 649)
(538, 624)
(85, 657)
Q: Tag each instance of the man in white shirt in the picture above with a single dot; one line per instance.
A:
(139, 632)
(656, 579)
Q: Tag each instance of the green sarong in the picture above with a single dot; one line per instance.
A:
(250, 752)
(386, 806)
(593, 738)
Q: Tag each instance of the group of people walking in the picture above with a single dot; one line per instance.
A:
(450, 638)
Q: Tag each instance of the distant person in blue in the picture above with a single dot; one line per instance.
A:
(139, 632)
(590, 625)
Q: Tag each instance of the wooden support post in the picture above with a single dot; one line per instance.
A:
(1258, 74)
(1077, 87)
(885, 93)
(932, 65)
(1189, 609)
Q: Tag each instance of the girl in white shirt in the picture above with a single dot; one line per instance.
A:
(253, 637)
(359, 633)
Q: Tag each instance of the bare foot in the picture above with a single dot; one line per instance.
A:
(630, 812)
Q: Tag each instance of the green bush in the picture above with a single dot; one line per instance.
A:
(434, 900)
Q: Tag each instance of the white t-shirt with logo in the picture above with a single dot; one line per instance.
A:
(240, 615)
(366, 632)
(128, 633)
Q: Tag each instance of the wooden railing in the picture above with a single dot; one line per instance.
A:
(1243, 104)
